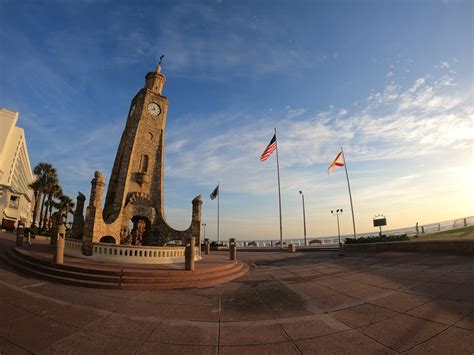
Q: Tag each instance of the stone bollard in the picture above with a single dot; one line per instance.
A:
(207, 246)
(232, 249)
(20, 234)
(54, 236)
(60, 241)
(189, 254)
(292, 248)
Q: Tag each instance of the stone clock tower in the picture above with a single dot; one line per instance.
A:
(135, 191)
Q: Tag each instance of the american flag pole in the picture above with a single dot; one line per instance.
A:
(218, 198)
(350, 195)
(279, 193)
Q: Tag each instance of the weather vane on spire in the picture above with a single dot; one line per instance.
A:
(161, 58)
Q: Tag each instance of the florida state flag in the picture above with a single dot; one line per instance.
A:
(337, 163)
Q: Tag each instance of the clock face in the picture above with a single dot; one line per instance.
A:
(154, 109)
(132, 110)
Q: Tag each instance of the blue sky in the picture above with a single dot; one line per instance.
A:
(391, 81)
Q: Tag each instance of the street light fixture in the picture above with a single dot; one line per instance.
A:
(337, 213)
(304, 218)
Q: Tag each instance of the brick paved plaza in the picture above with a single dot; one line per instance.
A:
(313, 302)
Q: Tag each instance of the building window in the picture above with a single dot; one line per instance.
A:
(14, 201)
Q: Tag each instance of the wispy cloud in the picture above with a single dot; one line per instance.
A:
(396, 123)
(442, 65)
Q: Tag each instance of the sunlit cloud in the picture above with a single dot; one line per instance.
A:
(395, 124)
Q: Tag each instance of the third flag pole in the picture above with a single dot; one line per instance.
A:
(216, 193)
(266, 153)
(339, 161)
(350, 195)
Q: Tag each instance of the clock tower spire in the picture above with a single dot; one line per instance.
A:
(155, 80)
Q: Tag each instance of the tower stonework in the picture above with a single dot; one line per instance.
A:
(135, 190)
(78, 222)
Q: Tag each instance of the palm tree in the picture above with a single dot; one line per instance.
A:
(54, 191)
(65, 206)
(36, 187)
(43, 171)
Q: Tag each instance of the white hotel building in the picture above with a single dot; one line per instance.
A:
(16, 198)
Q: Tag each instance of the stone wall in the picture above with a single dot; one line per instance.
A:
(454, 246)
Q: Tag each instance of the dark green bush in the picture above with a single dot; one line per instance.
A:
(46, 233)
(33, 230)
(378, 239)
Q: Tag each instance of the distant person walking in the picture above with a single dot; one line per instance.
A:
(417, 230)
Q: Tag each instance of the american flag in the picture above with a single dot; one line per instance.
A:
(269, 149)
(337, 163)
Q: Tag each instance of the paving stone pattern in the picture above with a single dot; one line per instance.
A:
(302, 303)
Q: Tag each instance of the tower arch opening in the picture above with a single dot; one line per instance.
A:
(107, 239)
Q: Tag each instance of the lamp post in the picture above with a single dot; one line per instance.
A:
(204, 239)
(337, 213)
(304, 218)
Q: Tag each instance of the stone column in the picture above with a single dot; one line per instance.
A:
(54, 232)
(94, 210)
(60, 242)
(97, 190)
(196, 219)
(189, 254)
(232, 249)
(20, 234)
(207, 246)
(78, 222)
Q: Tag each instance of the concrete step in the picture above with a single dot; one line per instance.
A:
(49, 269)
(181, 277)
(189, 284)
(144, 276)
(128, 278)
(109, 270)
(24, 269)
(133, 271)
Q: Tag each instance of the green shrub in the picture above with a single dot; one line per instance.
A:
(46, 233)
(377, 239)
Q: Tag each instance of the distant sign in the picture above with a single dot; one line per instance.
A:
(380, 222)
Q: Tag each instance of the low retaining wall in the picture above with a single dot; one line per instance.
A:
(127, 253)
(455, 246)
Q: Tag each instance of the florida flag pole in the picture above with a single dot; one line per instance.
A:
(266, 153)
(214, 194)
(337, 163)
